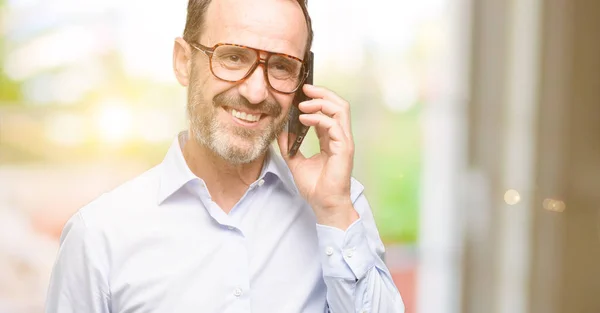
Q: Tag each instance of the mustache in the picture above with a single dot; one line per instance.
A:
(236, 101)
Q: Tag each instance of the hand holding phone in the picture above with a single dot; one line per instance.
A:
(327, 174)
(296, 130)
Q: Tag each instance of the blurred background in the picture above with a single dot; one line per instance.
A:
(477, 127)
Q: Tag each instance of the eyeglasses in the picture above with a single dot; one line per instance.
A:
(232, 63)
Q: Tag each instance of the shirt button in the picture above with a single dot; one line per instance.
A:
(349, 253)
(329, 251)
(237, 291)
(261, 182)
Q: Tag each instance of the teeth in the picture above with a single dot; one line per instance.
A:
(245, 117)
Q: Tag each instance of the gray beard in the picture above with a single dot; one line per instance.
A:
(207, 132)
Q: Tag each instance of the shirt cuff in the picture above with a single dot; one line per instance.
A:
(345, 254)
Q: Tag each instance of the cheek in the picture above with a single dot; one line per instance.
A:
(217, 86)
(206, 87)
(198, 81)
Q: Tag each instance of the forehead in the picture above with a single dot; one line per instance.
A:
(272, 25)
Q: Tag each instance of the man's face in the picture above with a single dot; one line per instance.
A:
(271, 25)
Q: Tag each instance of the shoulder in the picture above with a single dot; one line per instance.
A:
(125, 199)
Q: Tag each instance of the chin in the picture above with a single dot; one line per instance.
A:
(236, 150)
(233, 144)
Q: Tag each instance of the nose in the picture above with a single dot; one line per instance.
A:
(254, 88)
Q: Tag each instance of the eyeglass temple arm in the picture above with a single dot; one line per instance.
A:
(206, 50)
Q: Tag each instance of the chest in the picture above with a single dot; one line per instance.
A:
(266, 263)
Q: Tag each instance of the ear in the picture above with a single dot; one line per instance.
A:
(182, 61)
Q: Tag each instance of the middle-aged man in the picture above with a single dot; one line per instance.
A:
(225, 223)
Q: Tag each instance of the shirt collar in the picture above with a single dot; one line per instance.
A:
(275, 165)
(175, 173)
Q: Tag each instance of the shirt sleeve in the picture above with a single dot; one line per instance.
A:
(354, 271)
(78, 282)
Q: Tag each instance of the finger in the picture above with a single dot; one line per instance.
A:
(325, 124)
(317, 92)
(330, 109)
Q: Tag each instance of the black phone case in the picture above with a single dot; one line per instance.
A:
(296, 130)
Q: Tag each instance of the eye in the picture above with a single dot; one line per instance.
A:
(281, 67)
(233, 58)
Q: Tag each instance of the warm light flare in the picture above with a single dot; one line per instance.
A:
(512, 197)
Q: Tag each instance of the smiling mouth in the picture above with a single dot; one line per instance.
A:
(245, 117)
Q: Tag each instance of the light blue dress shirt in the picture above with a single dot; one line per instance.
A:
(158, 243)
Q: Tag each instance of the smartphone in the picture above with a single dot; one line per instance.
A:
(296, 130)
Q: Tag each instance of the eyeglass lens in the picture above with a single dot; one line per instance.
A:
(233, 63)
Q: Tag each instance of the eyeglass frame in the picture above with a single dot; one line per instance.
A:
(209, 51)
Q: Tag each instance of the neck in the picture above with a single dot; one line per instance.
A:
(226, 182)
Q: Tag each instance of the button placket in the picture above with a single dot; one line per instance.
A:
(238, 275)
(329, 251)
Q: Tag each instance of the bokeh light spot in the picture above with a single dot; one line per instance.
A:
(512, 197)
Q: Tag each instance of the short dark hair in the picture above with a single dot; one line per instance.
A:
(196, 12)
